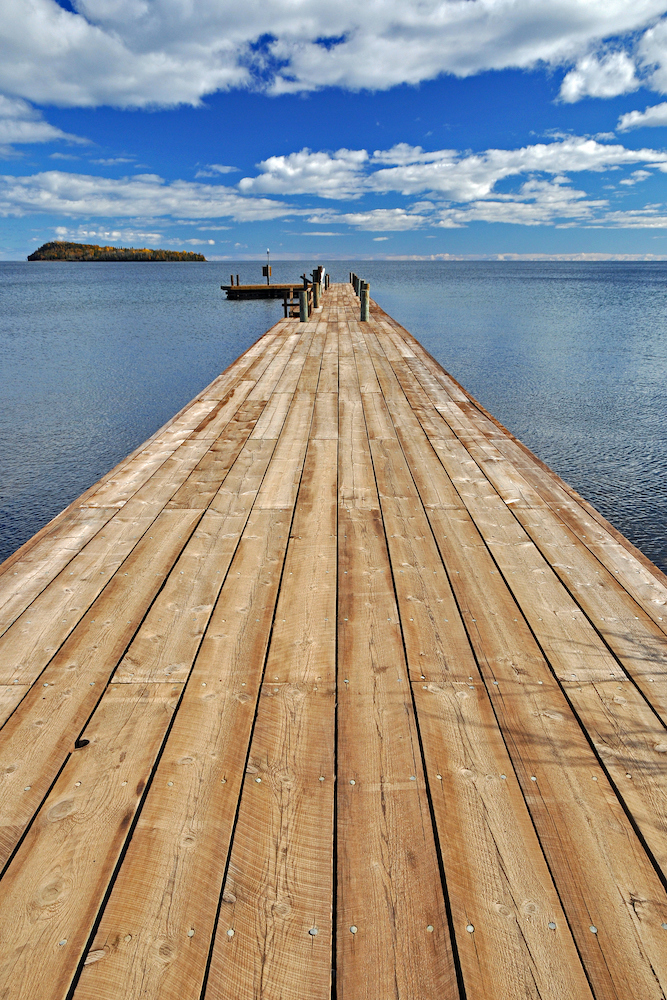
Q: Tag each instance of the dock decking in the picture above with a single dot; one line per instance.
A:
(332, 689)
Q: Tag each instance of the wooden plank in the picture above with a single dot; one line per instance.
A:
(215, 422)
(165, 646)
(116, 491)
(171, 878)
(37, 739)
(387, 887)
(36, 635)
(497, 879)
(630, 634)
(279, 890)
(270, 423)
(325, 417)
(289, 379)
(64, 865)
(329, 370)
(266, 384)
(25, 579)
(205, 480)
(281, 482)
(592, 849)
(566, 806)
(388, 880)
(10, 696)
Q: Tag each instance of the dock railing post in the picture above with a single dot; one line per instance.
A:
(317, 294)
(364, 295)
(303, 305)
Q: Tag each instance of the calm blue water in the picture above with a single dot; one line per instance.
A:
(572, 358)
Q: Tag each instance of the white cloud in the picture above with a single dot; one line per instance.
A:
(525, 186)
(347, 174)
(145, 195)
(125, 236)
(164, 52)
(655, 115)
(375, 220)
(537, 203)
(606, 75)
(465, 178)
(112, 161)
(635, 177)
(328, 175)
(215, 169)
(21, 123)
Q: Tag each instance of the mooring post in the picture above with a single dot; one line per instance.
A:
(317, 294)
(303, 305)
(237, 280)
(364, 295)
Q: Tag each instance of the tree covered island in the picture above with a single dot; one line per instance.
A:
(59, 250)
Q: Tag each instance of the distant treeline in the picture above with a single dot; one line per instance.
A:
(88, 251)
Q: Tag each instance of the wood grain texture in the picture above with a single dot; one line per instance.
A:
(55, 884)
(420, 693)
(279, 889)
(36, 740)
(171, 879)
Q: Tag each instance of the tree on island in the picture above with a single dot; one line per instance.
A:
(59, 250)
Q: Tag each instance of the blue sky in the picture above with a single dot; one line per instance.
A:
(335, 129)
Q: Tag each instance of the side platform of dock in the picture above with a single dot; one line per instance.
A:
(332, 690)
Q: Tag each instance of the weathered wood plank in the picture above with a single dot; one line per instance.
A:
(171, 878)
(279, 890)
(167, 642)
(37, 740)
(56, 882)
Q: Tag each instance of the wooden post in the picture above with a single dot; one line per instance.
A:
(317, 294)
(237, 280)
(365, 297)
(303, 305)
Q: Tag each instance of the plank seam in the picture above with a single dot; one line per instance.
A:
(114, 876)
(216, 921)
(91, 714)
(495, 715)
(436, 839)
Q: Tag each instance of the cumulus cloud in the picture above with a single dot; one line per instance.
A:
(410, 170)
(652, 116)
(21, 123)
(635, 177)
(145, 195)
(537, 203)
(606, 75)
(138, 53)
(328, 175)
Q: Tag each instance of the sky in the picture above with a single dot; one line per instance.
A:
(335, 129)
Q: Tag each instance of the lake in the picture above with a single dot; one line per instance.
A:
(571, 357)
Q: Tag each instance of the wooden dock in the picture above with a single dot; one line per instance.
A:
(332, 689)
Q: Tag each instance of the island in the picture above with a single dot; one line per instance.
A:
(59, 250)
